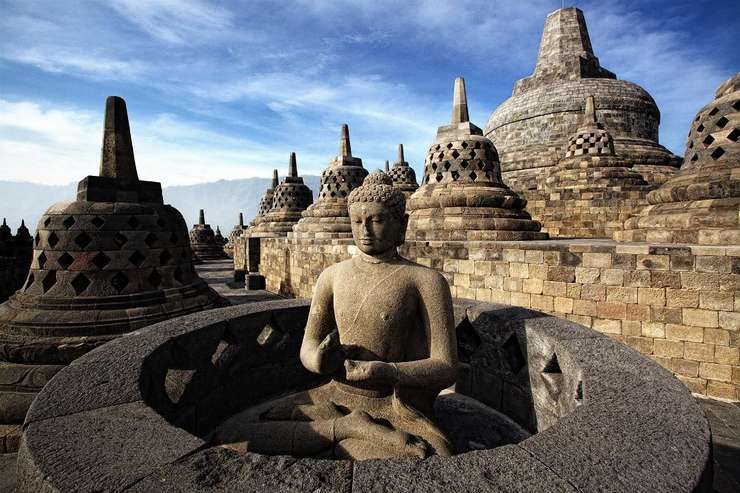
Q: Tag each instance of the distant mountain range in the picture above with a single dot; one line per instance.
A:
(222, 200)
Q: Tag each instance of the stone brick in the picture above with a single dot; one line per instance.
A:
(463, 292)
(532, 286)
(727, 355)
(638, 312)
(499, 296)
(534, 256)
(661, 279)
(483, 294)
(637, 278)
(621, 294)
(722, 390)
(611, 310)
(466, 266)
(594, 292)
(729, 320)
(573, 290)
(586, 275)
(607, 326)
(514, 255)
(695, 385)
(563, 305)
(551, 258)
(714, 371)
(729, 282)
(669, 349)
(716, 300)
(624, 261)
(520, 299)
(543, 303)
(700, 318)
(461, 280)
(520, 270)
(613, 277)
(494, 282)
(483, 268)
(699, 352)
(642, 344)
(653, 329)
(651, 296)
(561, 273)
(631, 327)
(736, 375)
(699, 280)
(580, 319)
(537, 271)
(667, 315)
(512, 284)
(720, 337)
(584, 307)
(682, 262)
(553, 288)
(653, 262)
(600, 260)
(705, 263)
(685, 367)
(682, 298)
(684, 333)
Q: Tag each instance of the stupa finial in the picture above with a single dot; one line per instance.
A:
(292, 166)
(345, 149)
(387, 166)
(202, 218)
(4, 222)
(117, 154)
(241, 219)
(275, 180)
(460, 103)
(400, 153)
(589, 114)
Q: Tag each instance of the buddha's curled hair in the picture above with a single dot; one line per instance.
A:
(378, 187)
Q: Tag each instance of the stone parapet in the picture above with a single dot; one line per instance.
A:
(678, 304)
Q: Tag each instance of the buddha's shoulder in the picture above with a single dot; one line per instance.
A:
(424, 273)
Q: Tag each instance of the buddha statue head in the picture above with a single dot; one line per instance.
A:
(377, 212)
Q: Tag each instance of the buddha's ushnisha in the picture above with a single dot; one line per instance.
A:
(382, 327)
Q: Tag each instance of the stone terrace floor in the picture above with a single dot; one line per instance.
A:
(724, 417)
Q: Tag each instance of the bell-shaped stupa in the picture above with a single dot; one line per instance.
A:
(701, 203)
(266, 200)
(236, 232)
(328, 216)
(204, 242)
(403, 175)
(592, 190)
(530, 129)
(114, 260)
(15, 258)
(462, 196)
(289, 200)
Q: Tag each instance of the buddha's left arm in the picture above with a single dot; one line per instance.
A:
(439, 370)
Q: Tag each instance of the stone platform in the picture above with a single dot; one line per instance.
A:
(603, 416)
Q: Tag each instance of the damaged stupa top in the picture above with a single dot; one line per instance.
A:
(290, 199)
(328, 216)
(462, 196)
(531, 127)
(114, 260)
(266, 200)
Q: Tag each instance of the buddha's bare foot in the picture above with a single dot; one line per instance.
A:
(360, 425)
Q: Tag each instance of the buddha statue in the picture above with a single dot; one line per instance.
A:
(382, 328)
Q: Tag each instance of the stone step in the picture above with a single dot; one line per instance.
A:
(17, 377)
(10, 436)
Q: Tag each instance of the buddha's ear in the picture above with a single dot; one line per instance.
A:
(402, 230)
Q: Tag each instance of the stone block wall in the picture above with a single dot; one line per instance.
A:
(680, 305)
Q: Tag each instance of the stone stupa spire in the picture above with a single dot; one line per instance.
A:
(202, 218)
(241, 220)
(459, 106)
(345, 148)
(292, 166)
(387, 166)
(275, 179)
(117, 154)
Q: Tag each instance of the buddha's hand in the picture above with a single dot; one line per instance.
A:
(370, 371)
(330, 353)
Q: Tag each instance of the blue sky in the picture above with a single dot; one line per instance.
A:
(227, 89)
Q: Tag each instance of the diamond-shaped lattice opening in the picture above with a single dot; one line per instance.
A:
(439, 177)
(101, 260)
(700, 128)
(133, 222)
(713, 112)
(29, 281)
(66, 260)
(68, 222)
(579, 391)
(553, 365)
(38, 238)
(718, 153)
(513, 354)
(734, 135)
(472, 175)
(53, 239)
(449, 146)
(83, 239)
(164, 257)
(468, 340)
(173, 238)
(47, 222)
(455, 154)
(119, 281)
(49, 280)
(150, 240)
(694, 157)
(722, 122)
(464, 145)
(42, 260)
(137, 258)
(707, 140)
(178, 275)
(120, 240)
(98, 221)
(155, 279)
(691, 144)
(736, 105)
(455, 175)
(80, 283)
(447, 165)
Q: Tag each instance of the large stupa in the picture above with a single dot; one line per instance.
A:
(114, 260)
(531, 128)
(701, 203)
(462, 196)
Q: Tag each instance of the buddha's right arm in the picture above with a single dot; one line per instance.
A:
(320, 324)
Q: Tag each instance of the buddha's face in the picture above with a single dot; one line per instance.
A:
(375, 229)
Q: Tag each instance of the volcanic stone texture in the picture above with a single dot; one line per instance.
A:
(531, 128)
(15, 258)
(701, 203)
(604, 416)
